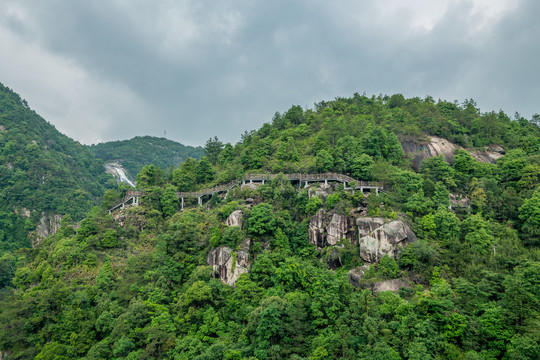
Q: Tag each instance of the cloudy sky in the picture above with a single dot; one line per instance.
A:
(109, 70)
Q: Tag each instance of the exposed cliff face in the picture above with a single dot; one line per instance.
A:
(131, 216)
(327, 229)
(48, 225)
(251, 186)
(367, 225)
(235, 218)
(229, 265)
(24, 212)
(355, 279)
(377, 238)
(459, 201)
(316, 229)
(322, 190)
(436, 146)
(338, 228)
(487, 156)
(355, 275)
(390, 285)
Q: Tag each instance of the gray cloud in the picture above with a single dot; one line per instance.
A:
(105, 71)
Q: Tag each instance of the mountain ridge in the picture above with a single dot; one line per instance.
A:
(278, 271)
(43, 172)
(138, 151)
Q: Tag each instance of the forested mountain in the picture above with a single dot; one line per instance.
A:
(133, 154)
(42, 173)
(289, 270)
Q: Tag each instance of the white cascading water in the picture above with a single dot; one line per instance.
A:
(123, 177)
(118, 172)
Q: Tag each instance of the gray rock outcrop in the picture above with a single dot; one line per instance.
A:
(337, 228)
(487, 156)
(355, 275)
(316, 229)
(390, 285)
(24, 212)
(377, 238)
(251, 186)
(48, 226)
(229, 265)
(235, 218)
(435, 146)
(459, 201)
(322, 191)
(327, 229)
(367, 225)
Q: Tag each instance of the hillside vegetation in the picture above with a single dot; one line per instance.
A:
(133, 154)
(151, 281)
(42, 172)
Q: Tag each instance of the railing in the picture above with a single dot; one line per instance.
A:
(210, 191)
(315, 177)
(131, 194)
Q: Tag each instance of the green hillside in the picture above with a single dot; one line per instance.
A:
(133, 154)
(42, 172)
(442, 264)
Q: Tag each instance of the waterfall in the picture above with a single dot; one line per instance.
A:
(118, 172)
(123, 177)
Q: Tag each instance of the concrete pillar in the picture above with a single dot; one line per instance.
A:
(123, 205)
(199, 199)
(325, 182)
(243, 182)
(250, 181)
(182, 204)
(263, 182)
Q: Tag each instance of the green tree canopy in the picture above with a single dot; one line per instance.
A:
(261, 221)
(212, 149)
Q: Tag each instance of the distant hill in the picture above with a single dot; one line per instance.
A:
(43, 173)
(133, 154)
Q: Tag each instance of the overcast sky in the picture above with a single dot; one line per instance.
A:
(110, 70)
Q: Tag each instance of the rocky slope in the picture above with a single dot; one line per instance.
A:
(435, 146)
(41, 171)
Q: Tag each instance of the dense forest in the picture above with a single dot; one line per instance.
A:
(133, 154)
(42, 173)
(242, 276)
